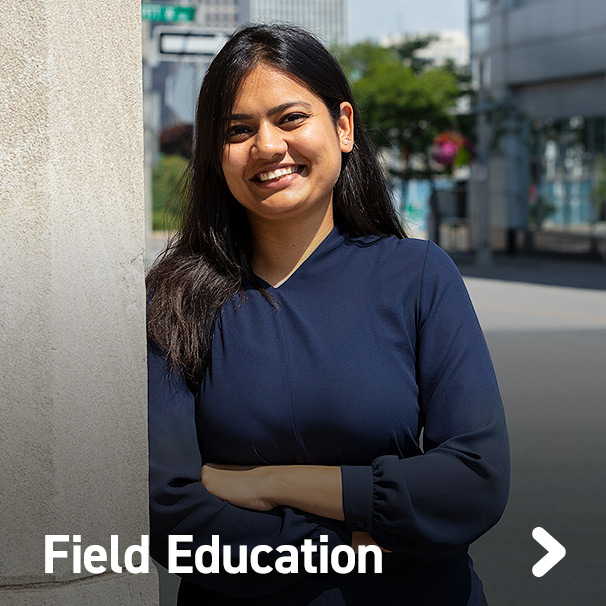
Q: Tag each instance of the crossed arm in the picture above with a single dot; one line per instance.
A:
(312, 488)
(315, 489)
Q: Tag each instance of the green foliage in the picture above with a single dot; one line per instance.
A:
(404, 100)
(546, 208)
(407, 51)
(166, 200)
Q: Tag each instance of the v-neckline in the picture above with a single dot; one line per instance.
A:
(314, 253)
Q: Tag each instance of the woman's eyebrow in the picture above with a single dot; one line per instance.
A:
(274, 110)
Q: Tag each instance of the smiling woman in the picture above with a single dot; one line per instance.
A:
(299, 344)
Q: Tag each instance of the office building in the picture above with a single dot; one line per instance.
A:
(326, 18)
(222, 14)
(540, 70)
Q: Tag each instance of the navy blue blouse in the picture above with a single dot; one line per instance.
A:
(372, 359)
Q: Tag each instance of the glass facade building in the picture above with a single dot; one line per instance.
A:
(540, 69)
(568, 172)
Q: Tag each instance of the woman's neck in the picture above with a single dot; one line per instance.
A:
(281, 246)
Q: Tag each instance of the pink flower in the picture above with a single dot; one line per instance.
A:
(446, 152)
(450, 148)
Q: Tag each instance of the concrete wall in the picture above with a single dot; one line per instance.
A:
(73, 446)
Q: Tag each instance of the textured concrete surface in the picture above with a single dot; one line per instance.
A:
(116, 590)
(72, 375)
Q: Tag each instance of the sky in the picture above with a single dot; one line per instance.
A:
(374, 18)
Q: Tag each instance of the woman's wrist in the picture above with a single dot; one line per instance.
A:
(312, 488)
(273, 482)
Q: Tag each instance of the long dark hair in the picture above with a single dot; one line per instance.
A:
(206, 262)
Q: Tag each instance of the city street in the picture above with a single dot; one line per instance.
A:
(548, 345)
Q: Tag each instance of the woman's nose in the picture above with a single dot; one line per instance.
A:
(269, 141)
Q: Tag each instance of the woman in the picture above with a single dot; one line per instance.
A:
(300, 345)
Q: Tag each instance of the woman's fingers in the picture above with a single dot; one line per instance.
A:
(364, 538)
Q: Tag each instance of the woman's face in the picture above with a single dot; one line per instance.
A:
(282, 155)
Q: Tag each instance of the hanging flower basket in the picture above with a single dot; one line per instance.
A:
(452, 150)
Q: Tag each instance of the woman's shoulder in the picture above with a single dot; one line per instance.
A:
(391, 249)
(392, 258)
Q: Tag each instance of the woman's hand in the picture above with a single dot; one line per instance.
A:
(364, 538)
(239, 485)
(263, 488)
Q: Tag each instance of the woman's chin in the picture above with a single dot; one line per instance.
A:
(281, 206)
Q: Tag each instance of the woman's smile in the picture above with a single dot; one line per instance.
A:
(278, 173)
(281, 176)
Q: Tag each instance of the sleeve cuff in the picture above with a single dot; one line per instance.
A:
(357, 497)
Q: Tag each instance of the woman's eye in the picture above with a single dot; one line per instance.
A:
(237, 132)
(294, 118)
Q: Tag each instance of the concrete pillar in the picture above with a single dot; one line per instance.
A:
(73, 449)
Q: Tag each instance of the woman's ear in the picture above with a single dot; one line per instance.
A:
(345, 127)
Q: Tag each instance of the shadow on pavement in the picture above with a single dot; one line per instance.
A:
(553, 271)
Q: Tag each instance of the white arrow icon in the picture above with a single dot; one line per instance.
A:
(555, 551)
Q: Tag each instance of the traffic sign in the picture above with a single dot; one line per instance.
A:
(167, 13)
(176, 43)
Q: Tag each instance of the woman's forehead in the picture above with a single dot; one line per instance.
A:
(266, 84)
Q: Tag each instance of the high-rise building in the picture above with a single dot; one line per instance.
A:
(223, 14)
(326, 18)
(539, 67)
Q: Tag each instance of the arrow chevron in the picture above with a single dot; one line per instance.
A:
(555, 551)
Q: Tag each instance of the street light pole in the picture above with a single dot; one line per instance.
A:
(484, 256)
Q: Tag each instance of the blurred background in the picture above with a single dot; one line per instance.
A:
(490, 118)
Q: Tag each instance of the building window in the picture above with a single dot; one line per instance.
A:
(480, 37)
(568, 172)
(480, 9)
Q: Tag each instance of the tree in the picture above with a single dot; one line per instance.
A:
(405, 101)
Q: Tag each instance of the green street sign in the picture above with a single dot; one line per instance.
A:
(167, 13)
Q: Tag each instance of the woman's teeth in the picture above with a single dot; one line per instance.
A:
(276, 174)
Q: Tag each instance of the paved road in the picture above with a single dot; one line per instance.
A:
(548, 345)
(545, 324)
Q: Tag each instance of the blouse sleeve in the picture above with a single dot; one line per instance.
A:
(180, 505)
(435, 504)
